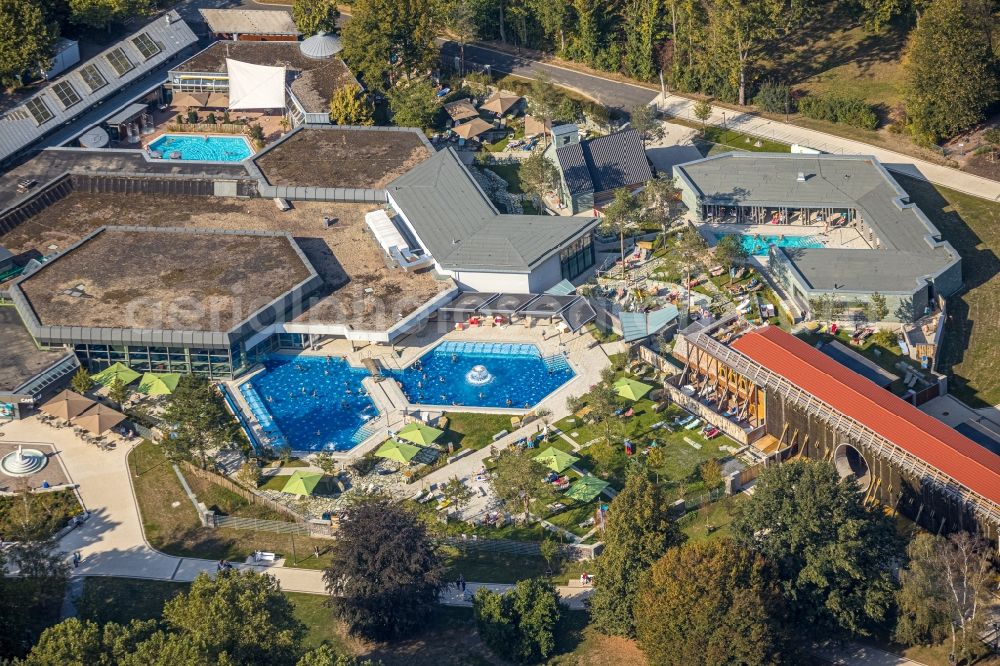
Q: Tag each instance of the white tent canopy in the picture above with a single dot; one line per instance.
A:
(255, 86)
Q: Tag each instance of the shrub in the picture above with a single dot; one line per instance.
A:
(210, 119)
(773, 97)
(851, 111)
(192, 117)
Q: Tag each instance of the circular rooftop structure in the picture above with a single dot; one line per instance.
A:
(321, 46)
(95, 137)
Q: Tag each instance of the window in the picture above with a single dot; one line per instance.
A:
(36, 107)
(93, 77)
(147, 47)
(66, 94)
(119, 61)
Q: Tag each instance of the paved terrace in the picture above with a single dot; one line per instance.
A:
(159, 279)
(21, 358)
(344, 255)
(312, 81)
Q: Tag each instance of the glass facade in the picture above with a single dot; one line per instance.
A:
(577, 257)
(212, 363)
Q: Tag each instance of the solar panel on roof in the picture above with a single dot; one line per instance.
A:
(93, 77)
(119, 61)
(66, 93)
(147, 47)
(36, 107)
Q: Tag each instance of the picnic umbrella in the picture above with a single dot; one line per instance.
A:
(500, 102)
(119, 370)
(400, 452)
(631, 389)
(98, 419)
(555, 459)
(159, 383)
(66, 405)
(418, 433)
(473, 128)
(586, 489)
(302, 483)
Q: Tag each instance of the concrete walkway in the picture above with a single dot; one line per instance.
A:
(681, 107)
(856, 654)
(112, 542)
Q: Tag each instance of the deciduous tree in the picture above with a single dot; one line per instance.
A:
(711, 603)
(745, 28)
(730, 251)
(384, 575)
(643, 119)
(519, 624)
(538, 175)
(413, 104)
(951, 75)
(519, 480)
(833, 554)
(349, 106)
(199, 420)
(702, 110)
(386, 37)
(621, 217)
(27, 39)
(639, 531)
(314, 16)
(945, 593)
(103, 13)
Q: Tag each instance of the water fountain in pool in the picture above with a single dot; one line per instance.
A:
(23, 462)
(478, 376)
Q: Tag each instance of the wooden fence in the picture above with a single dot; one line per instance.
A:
(245, 493)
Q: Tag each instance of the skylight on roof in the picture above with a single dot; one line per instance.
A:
(119, 61)
(93, 77)
(36, 107)
(147, 47)
(66, 93)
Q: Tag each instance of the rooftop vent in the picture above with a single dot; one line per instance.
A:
(801, 177)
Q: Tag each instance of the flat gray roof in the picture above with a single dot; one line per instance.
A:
(21, 358)
(250, 21)
(454, 219)
(910, 246)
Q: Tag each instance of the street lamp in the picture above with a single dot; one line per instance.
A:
(723, 120)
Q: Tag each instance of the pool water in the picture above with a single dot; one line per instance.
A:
(313, 403)
(206, 148)
(757, 245)
(518, 375)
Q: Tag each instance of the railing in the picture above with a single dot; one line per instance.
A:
(260, 525)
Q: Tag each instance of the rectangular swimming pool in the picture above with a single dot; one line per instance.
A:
(207, 148)
(757, 245)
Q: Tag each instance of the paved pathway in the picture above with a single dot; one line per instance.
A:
(856, 654)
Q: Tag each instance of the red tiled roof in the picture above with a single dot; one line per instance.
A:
(896, 420)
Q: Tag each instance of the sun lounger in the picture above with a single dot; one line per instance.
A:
(694, 424)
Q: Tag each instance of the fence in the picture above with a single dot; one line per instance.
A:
(208, 128)
(260, 525)
(245, 493)
(466, 544)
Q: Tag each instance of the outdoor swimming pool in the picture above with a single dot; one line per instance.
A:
(757, 245)
(483, 374)
(201, 147)
(313, 403)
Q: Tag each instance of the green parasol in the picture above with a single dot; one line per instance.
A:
(418, 433)
(119, 370)
(586, 489)
(397, 451)
(555, 459)
(631, 389)
(159, 383)
(302, 483)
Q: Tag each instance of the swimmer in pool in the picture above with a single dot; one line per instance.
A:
(509, 402)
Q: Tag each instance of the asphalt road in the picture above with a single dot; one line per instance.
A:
(622, 96)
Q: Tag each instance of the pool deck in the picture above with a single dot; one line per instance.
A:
(838, 238)
(586, 357)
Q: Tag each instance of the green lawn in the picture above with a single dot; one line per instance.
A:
(972, 226)
(171, 523)
(712, 521)
(571, 517)
(712, 140)
(473, 431)
(485, 567)
(37, 514)
(509, 172)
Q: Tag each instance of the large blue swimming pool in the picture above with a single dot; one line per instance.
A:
(313, 403)
(757, 245)
(515, 375)
(201, 147)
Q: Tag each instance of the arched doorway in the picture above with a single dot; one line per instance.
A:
(851, 463)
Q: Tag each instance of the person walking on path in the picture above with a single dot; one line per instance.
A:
(76, 559)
